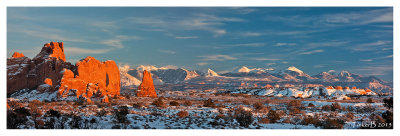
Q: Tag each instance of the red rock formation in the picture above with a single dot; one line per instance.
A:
(52, 50)
(105, 99)
(92, 76)
(146, 88)
(49, 71)
(17, 55)
(268, 86)
(48, 81)
(339, 88)
(17, 72)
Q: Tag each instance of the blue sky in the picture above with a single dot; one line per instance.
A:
(313, 39)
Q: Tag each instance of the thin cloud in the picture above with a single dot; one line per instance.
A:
(105, 26)
(265, 59)
(118, 40)
(337, 20)
(49, 34)
(311, 52)
(375, 70)
(202, 63)
(269, 64)
(251, 44)
(186, 37)
(218, 57)
(372, 46)
(205, 22)
(285, 44)
(167, 51)
(83, 51)
(249, 34)
(366, 60)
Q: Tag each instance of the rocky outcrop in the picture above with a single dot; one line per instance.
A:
(48, 71)
(52, 50)
(146, 88)
(17, 55)
(17, 72)
(93, 78)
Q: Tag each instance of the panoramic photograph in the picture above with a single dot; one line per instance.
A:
(199, 67)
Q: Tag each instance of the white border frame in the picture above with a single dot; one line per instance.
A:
(199, 3)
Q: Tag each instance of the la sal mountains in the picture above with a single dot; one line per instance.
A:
(248, 77)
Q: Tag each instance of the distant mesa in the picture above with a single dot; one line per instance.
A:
(49, 72)
(146, 88)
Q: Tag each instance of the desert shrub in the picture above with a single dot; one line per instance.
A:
(138, 105)
(101, 112)
(326, 108)
(273, 116)
(349, 116)
(187, 103)
(369, 100)
(365, 109)
(75, 122)
(50, 124)
(183, 114)
(120, 114)
(246, 102)
(294, 104)
(336, 107)
(376, 118)
(116, 127)
(267, 102)
(14, 104)
(127, 96)
(258, 106)
(286, 121)
(93, 120)
(159, 102)
(331, 124)
(294, 107)
(245, 118)
(333, 107)
(34, 108)
(310, 120)
(388, 116)
(294, 111)
(173, 103)
(208, 103)
(281, 113)
(264, 121)
(388, 102)
(53, 113)
(156, 113)
(17, 117)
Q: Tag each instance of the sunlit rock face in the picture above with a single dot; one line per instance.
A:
(23, 72)
(48, 71)
(146, 88)
(17, 55)
(93, 77)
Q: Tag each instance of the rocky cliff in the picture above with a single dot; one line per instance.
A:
(146, 88)
(48, 71)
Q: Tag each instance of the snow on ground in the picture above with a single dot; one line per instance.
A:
(31, 95)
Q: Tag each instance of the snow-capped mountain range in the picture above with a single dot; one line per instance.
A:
(171, 75)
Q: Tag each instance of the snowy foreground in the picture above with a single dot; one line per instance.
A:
(194, 111)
